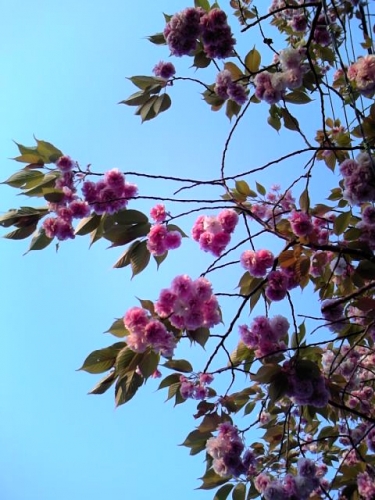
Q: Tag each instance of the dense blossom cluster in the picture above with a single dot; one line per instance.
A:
(362, 73)
(300, 486)
(356, 366)
(257, 262)
(266, 336)
(70, 205)
(160, 240)
(195, 388)
(359, 179)
(226, 450)
(110, 194)
(213, 232)
(271, 87)
(274, 205)
(226, 88)
(367, 226)
(189, 304)
(304, 386)
(186, 27)
(146, 332)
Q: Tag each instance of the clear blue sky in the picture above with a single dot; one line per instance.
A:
(63, 69)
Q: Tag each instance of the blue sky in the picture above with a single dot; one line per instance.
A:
(64, 68)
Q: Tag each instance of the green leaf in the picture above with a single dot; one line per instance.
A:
(239, 492)
(174, 378)
(103, 359)
(366, 270)
(211, 480)
(157, 39)
(341, 222)
(149, 363)
(130, 216)
(173, 227)
(127, 360)
(223, 492)
(53, 195)
(146, 111)
(304, 200)
(275, 122)
(126, 387)
(137, 98)
(297, 97)
(104, 384)
(120, 235)
(252, 61)
(266, 373)
(290, 122)
(39, 241)
(162, 103)
(180, 365)
(148, 305)
(261, 189)
(21, 233)
(202, 3)
(48, 151)
(160, 258)
(232, 109)
(234, 70)
(201, 60)
(139, 258)
(88, 224)
(200, 335)
(144, 82)
(23, 177)
(243, 188)
(33, 158)
(118, 328)
(124, 260)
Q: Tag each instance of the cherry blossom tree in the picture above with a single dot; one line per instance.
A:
(289, 413)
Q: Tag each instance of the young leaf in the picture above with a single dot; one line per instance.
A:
(252, 61)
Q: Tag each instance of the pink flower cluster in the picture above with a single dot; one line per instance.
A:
(164, 70)
(271, 87)
(69, 207)
(213, 233)
(195, 388)
(266, 336)
(366, 486)
(301, 486)
(160, 240)
(226, 88)
(362, 73)
(189, 304)
(295, 19)
(367, 226)
(333, 312)
(226, 450)
(257, 263)
(306, 388)
(158, 213)
(274, 204)
(110, 194)
(146, 332)
(359, 179)
(186, 27)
